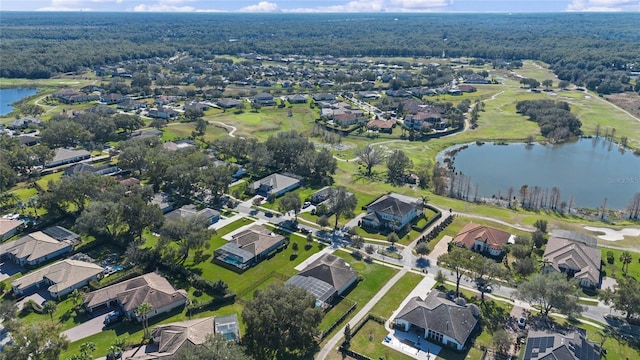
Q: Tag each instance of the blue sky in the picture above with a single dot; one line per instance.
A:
(322, 5)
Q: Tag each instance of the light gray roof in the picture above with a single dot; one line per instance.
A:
(394, 204)
(574, 255)
(575, 236)
(440, 314)
(62, 154)
(275, 182)
(63, 274)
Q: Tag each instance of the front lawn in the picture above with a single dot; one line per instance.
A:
(615, 270)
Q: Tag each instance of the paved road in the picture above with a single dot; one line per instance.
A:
(334, 342)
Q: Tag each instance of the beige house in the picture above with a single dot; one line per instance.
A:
(34, 249)
(9, 227)
(150, 288)
(576, 255)
(59, 278)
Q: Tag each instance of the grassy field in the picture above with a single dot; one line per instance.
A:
(394, 297)
(615, 270)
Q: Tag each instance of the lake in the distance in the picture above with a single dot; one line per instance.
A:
(588, 169)
(10, 96)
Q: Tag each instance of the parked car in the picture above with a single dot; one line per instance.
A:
(306, 204)
(112, 317)
(522, 321)
(305, 230)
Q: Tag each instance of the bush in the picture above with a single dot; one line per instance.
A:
(294, 246)
(610, 258)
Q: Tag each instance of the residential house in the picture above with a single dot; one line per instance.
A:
(164, 100)
(89, 89)
(64, 156)
(197, 106)
(369, 95)
(324, 97)
(23, 123)
(548, 345)
(326, 278)
(151, 288)
(163, 200)
(168, 340)
(163, 112)
(8, 228)
(28, 140)
(392, 211)
(475, 79)
(275, 185)
(398, 93)
(83, 168)
(297, 99)
(34, 248)
(130, 105)
(70, 96)
(179, 144)
(482, 239)
(323, 201)
(424, 119)
(467, 88)
(59, 278)
(439, 320)
(228, 103)
(189, 212)
(113, 98)
(576, 255)
(248, 247)
(264, 99)
(384, 126)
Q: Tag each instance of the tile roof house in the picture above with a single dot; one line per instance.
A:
(189, 212)
(570, 255)
(392, 211)
(64, 156)
(248, 248)
(385, 126)
(275, 185)
(264, 99)
(481, 238)
(8, 228)
(24, 123)
(546, 345)
(35, 248)
(59, 278)
(227, 103)
(439, 319)
(168, 340)
(297, 99)
(104, 169)
(151, 288)
(326, 278)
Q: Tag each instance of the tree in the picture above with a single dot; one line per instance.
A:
(86, 349)
(541, 225)
(625, 297)
(369, 249)
(290, 202)
(215, 347)
(501, 340)
(342, 202)
(281, 322)
(29, 109)
(357, 241)
(440, 277)
(548, 83)
(457, 259)
(76, 298)
(323, 221)
(370, 157)
(50, 308)
(347, 336)
(8, 310)
(551, 291)
(142, 312)
(625, 259)
(187, 234)
(422, 249)
(201, 126)
(562, 84)
(538, 239)
(393, 238)
(486, 271)
(397, 163)
(40, 340)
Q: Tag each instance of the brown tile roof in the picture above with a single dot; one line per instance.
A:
(152, 288)
(495, 239)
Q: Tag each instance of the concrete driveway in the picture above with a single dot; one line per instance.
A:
(89, 327)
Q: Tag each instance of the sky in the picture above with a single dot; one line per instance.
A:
(311, 6)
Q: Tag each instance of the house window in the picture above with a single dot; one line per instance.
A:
(435, 336)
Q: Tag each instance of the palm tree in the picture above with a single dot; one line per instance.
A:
(545, 263)
(76, 298)
(20, 206)
(8, 199)
(33, 202)
(142, 312)
(625, 259)
(50, 307)
(87, 348)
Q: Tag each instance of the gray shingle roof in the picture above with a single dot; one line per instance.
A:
(439, 314)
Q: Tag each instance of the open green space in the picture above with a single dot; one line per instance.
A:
(394, 297)
(615, 270)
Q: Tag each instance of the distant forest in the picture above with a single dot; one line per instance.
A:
(594, 50)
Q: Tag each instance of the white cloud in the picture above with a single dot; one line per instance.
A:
(352, 6)
(420, 4)
(262, 6)
(62, 8)
(163, 8)
(604, 5)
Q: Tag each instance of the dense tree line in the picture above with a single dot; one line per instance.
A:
(555, 119)
(579, 46)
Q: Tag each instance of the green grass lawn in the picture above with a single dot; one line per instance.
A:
(615, 270)
(398, 292)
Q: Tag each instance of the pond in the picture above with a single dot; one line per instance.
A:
(10, 96)
(590, 170)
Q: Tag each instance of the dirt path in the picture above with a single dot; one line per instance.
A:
(233, 128)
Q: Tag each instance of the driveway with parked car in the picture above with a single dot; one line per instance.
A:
(89, 327)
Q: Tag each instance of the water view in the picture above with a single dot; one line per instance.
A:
(589, 170)
(10, 96)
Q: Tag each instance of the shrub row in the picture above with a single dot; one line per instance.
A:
(437, 230)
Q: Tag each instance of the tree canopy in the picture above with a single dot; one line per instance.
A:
(551, 291)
